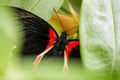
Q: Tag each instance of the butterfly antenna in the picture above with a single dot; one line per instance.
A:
(59, 19)
(71, 29)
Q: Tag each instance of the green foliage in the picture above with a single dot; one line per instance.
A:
(100, 40)
(4, 2)
(76, 4)
(42, 8)
(65, 9)
(8, 37)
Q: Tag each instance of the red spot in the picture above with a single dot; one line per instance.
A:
(70, 46)
(52, 36)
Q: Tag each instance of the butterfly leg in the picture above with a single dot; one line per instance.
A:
(65, 67)
(40, 56)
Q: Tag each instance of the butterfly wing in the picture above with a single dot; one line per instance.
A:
(71, 49)
(39, 35)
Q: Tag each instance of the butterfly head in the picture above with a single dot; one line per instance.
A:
(64, 35)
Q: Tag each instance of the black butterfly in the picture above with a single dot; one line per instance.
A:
(41, 38)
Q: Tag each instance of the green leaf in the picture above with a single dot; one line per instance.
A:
(76, 4)
(65, 9)
(8, 38)
(100, 38)
(4, 2)
(42, 8)
(49, 70)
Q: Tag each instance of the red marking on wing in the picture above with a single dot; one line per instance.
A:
(40, 56)
(37, 60)
(70, 46)
(53, 37)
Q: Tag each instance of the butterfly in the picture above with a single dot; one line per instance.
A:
(41, 38)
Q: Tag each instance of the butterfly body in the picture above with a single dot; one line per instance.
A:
(59, 46)
(41, 38)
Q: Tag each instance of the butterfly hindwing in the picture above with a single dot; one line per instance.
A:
(39, 35)
(72, 48)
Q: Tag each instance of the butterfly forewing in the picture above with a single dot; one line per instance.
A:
(38, 33)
